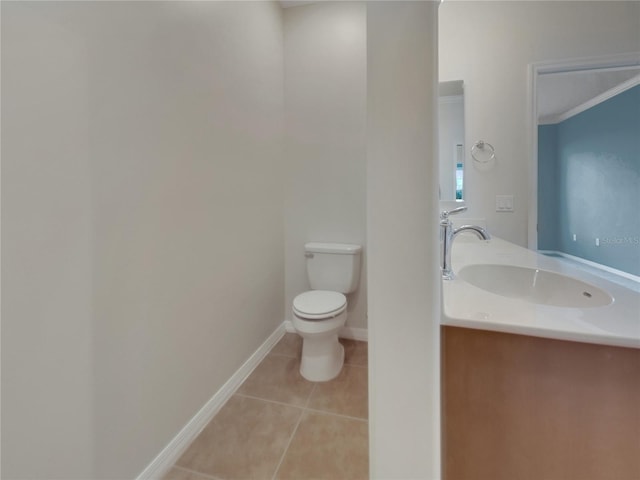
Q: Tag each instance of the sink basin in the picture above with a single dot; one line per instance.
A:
(535, 286)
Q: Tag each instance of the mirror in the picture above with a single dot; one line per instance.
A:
(451, 140)
(588, 167)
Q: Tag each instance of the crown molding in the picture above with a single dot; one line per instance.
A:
(603, 97)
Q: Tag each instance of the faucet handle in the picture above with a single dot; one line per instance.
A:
(444, 215)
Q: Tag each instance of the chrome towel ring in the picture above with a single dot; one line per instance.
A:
(483, 152)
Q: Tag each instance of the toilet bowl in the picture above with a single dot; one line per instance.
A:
(333, 270)
(318, 316)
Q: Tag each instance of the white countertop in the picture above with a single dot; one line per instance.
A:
(465, 305)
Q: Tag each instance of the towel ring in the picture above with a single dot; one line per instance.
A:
(483, 152)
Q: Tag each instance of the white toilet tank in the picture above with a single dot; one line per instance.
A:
(333, 266)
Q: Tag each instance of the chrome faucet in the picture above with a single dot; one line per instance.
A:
(448, 233)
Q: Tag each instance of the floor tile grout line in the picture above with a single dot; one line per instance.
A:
(306, 404)
(253, 397)
(341, 415)
(315, 410)
(286, 449)
(201, 474)
(305, 407)
(293, 434)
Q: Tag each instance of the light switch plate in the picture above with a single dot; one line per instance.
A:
(504, 203)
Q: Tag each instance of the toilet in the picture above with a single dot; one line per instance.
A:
(318, 315)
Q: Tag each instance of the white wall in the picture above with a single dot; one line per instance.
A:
(325, 104)
(142, 237)
(47, 250)
(489, 45)
(402, 235)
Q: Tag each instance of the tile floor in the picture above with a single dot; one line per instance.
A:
(280, 426)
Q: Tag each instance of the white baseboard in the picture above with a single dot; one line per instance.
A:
(176, 447)
(351, 333)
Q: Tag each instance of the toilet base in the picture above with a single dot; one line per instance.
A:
(322, 353)
(322, 358)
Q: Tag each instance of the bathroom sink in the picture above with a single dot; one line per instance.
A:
(534, 285)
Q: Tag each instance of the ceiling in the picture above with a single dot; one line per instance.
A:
(295, 3)
(559, 93)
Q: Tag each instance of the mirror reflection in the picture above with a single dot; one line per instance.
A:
(451, 139)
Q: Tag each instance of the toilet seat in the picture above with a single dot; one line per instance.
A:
(319, 304)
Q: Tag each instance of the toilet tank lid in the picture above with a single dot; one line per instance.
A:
(339, 248)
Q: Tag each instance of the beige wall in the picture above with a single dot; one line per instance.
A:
(325, 104)
(402, 234)
(489, 45)
(47, 250)
(142, 212)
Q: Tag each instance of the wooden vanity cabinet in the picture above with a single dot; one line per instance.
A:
(517, 408)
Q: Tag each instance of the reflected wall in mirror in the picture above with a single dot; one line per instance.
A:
(588, 162)
(451, 140)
